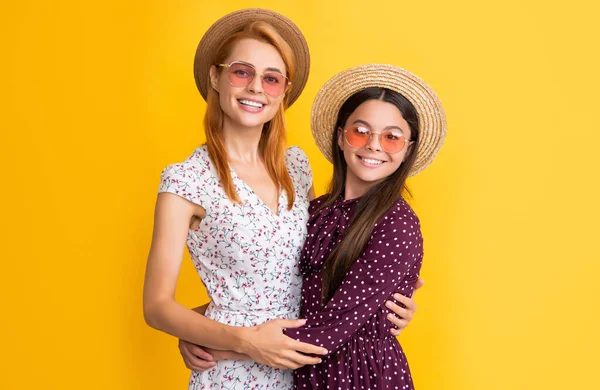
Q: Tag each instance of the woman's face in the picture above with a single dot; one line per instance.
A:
(248, 106)
(370, 164)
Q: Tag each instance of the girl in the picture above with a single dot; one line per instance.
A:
(364, 241)
(250, 196)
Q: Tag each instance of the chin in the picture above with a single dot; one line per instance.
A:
(253, 122)
(244, 120)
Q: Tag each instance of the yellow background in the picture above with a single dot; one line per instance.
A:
(97, 97)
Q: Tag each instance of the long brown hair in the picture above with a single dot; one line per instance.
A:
(273, 138)
(377, 201)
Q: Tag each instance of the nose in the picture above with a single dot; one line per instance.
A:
(374, 143)
(255, 85)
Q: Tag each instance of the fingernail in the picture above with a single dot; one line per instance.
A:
(390, 316)
(303, 321)
(324, 352)
(388, 303)
(396, 296)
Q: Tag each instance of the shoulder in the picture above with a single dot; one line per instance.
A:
(189, 177)
(316, 203)
(298, 167)
(397, 233)
(195, 165)
(296, 157)
(400, 219)
(295, 152)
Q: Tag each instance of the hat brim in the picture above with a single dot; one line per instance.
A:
(234, 22)
(331, 97)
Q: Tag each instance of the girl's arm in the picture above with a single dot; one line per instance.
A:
(393, 253)
(403, 315)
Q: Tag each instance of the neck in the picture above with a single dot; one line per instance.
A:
(242, 142)
(355, 188)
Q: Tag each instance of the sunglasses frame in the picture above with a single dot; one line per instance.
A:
(406, 142)
(262, 77)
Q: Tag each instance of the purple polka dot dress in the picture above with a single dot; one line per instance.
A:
(352, 326)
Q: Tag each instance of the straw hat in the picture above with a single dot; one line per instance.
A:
(234, 22)
(339, 88)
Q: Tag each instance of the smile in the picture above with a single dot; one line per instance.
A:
(371, 161)
(251, 103)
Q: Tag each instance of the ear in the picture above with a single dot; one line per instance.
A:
(213, 77)
(409, 151)
(340, 137)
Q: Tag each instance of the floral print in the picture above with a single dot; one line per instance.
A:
(247, 257)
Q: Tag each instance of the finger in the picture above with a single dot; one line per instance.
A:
(287, 364)
(201, 353)
(399, 310)
(307, 348)
(406, 301)
(202, 366)
(195, 363)
(396, 332)
(290, 323)
(302, 359)
(418, 284)
(399, 322)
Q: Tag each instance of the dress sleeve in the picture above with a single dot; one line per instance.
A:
(183, 179)
(300, 168)
(390, 263)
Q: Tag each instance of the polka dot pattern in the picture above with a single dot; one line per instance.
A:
(352, 326)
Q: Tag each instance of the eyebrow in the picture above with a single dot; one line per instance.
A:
(274, 70)
(267, 69)
(385, 128)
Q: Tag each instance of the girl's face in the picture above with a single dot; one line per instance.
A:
(370, 164)
(248, 106)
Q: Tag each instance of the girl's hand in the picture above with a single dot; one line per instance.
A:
(403, 314)
(267, 344)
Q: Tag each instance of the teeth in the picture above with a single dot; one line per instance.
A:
(251, 103)
(371, 161)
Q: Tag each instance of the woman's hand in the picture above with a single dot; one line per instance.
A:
(194, 357)
(403, 315)
(267, 344)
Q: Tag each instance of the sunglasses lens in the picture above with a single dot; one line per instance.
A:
(274, 83)
(240, 75)
(392, 141)
(357, 137)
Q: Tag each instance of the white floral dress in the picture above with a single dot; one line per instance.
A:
(247, 257)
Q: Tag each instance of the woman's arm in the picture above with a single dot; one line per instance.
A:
(161, 311)
(402, 315)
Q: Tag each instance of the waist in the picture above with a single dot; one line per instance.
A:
(248, 317)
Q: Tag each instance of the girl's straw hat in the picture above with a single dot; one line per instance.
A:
(331, 97)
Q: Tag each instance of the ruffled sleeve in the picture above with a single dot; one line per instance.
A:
(299, 169)
(186, 180)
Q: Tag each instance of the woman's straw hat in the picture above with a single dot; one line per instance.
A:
(234, 22)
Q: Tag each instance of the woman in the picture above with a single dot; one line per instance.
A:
(378, 124)
(251, 196)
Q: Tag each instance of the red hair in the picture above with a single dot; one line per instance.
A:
(273, 139)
